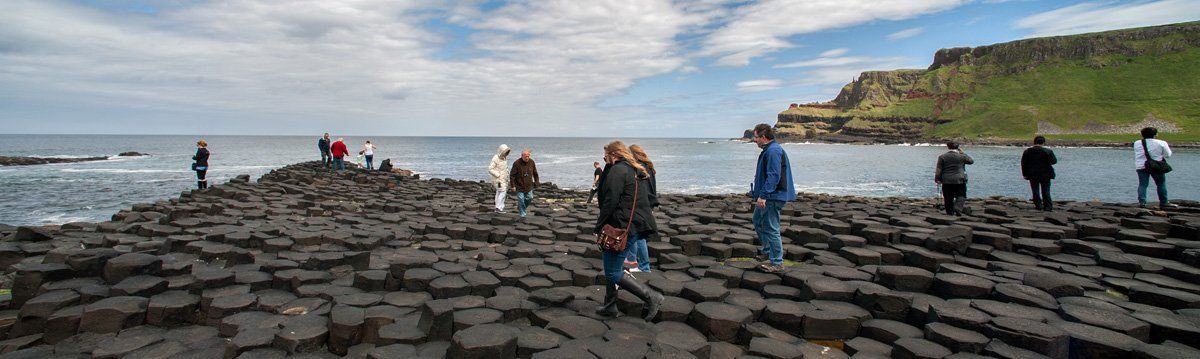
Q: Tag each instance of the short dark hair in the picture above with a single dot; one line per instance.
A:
(1039, 140)
(764, 130)
(1149, 132)
(952, 145)
(595, 163)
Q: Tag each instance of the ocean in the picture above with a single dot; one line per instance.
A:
(93, 191)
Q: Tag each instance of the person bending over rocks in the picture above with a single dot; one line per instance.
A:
(523, 178)
(640, 255)
(497, 169)
(951, 173)
(773, 188)
(618, 192)
(339, 151)
(201, 164)
(1037, 166)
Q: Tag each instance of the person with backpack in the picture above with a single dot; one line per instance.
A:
(1037, 166)
(951, 174)
(1150, 159)
(624, 218)
(772, 189)
(201, 164)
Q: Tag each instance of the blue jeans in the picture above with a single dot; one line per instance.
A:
(338, 164)
(369, 166)
(766, 224)
(1160, 182)
(614, 261)
(523, 201)
(639, 253)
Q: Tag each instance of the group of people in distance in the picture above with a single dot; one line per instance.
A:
(522, 178)
(333, 153)
(1037, 167)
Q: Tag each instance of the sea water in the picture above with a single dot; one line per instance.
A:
(93, 191)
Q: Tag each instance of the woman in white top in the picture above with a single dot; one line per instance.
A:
(368, 151)
(1157, 150)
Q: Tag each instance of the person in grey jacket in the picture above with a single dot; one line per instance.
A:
(951, 173)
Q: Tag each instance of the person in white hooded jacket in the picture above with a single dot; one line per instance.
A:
(499, 171)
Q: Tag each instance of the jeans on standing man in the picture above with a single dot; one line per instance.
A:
(369, 166)
(766, 225)
(523, 201)
(338, 163)
(773, 187)
(1160, 181)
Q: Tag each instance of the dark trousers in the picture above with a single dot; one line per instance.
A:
(1041, 194)
(201, 181)
(955, 196)
(590, 195)
(326, 159)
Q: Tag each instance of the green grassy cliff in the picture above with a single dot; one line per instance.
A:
(1097, 87)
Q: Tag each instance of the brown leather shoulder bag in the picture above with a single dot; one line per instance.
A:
(615, 239)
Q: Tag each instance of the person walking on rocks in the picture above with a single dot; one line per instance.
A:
(201, 164)
(338, 149)
(1037, 166)
(640, 255)
(368, 151)
(624, 205)
(498, 169)
(523, 178)
(773, 188)
(595, 180)
(323, 146)
(1150, 158)
(951, 173)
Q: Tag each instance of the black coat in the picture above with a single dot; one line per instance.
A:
(323, 144)
(201, 157)
(1037, 164)
(615, 195)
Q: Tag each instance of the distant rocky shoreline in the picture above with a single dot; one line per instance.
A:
(841, 139)
(368, 264)
(31, 161)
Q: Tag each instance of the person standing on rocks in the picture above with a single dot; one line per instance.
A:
(640, 255)
(498, 170)
(1151, 149)
(323, 146)
(773, 188)
(617, 193)
(523, 178)
(201, 164)
(1037, 166)
(595, 180)
(951, 173)
(368, 151)
(338, 149)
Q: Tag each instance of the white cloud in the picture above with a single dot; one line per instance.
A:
(835, 52)
(764, 27)
(759, 85)
(831, 68)
(906, 33)
(1101, 16)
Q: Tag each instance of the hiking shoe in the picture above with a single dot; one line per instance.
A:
(635, 269)
(771, 268)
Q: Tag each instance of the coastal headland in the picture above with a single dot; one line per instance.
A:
(361, 264)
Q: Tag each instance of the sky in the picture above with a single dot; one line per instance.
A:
(596, 68)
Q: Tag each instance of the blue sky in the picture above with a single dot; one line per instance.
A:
(636, 68)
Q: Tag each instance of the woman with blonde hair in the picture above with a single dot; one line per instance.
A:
(201, 164)
(640, 255)
(624, 204)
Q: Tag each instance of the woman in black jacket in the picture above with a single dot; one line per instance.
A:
(201, 164)
(1037, 166)
(621, 178)
(640, 254)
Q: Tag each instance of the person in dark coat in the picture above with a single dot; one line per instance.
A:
(1037, 166)
(773, 188)
(622, 178)
(951, 173)
(640, 255)
(323, 145)
(523, 178)
(201, 164)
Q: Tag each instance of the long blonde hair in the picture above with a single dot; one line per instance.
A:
(618, 150)
(640, 155)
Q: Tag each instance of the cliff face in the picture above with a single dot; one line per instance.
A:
(1076, 86)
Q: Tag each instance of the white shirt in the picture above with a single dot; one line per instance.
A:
(1158, 151)
(369, 149)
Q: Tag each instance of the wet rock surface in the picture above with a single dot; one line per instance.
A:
(304, 262)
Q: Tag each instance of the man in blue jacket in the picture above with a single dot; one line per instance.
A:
(772, 189)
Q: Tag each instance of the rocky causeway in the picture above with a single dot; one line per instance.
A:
(307, 263)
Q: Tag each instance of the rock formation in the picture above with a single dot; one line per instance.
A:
(306, 262)
(29, 161)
